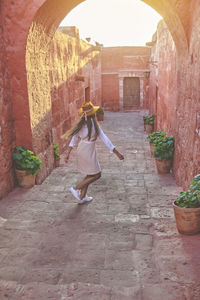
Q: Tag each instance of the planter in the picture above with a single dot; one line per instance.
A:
(100, 117)
(151, 148)
(24, 180)
(187, 219)
(163, 166)
(148, 128)
(57, 162)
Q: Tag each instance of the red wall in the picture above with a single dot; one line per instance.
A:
(110, 92)
(7, 132)
(177, 105)
(123, 58)
(121, 62)
(163, 80)
(75, 65)
(56, 89)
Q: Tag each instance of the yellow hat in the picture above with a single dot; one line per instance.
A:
(87, 109)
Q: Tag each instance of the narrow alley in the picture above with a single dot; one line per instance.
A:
(124, 245)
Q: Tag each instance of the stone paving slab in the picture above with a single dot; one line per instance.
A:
(123, 245)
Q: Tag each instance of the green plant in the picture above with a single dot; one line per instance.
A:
(149, 119)
(191, 197)
(55, 150)
(25, 160)
(100, 111)
(164, 148)
(155, 135)
(195, 183)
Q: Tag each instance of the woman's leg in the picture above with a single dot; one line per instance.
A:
(83, 185)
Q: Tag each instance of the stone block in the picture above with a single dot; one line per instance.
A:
(113, 278)
(143, 241)
(160, 213)
(166, 291)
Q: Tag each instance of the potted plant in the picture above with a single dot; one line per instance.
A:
(100, 114)
(149, 123)
(163, 152)
(187, 208)
(153, 137)
(56, 154)
(26, 166)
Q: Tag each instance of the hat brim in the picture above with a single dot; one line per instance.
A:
(90, 113)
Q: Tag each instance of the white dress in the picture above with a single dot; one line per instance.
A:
(87, 162)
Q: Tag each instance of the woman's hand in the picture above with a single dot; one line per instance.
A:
(119, 155)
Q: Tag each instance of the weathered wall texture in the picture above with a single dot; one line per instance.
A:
(74, 66)
(174, 96)
(163, 79)
(7, 133)
(119, 63)
(56, 90)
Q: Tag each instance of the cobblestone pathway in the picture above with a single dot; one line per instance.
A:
(124, 245)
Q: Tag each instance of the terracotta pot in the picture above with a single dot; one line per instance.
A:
(148, 128)
(163, 166)
(24, 180)
(57, 162)
(151, 148)
(187, 219)
(100, 117)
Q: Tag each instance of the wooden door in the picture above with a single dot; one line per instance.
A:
(131, 92)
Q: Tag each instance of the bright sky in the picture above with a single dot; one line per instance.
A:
(114, 22)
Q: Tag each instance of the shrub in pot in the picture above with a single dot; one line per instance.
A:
(153, 137)
(26, 166)
(163, 152)
(56, 154)
(100, 114)
(149, 123)
(187, 208)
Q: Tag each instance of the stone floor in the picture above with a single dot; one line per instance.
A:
(123, 245)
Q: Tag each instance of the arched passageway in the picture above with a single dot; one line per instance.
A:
(42, 30)
(29, 31)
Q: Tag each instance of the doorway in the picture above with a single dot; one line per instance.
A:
(131, 91)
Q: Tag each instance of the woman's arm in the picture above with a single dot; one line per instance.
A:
(72, 144)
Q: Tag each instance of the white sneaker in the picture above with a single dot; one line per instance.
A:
(87, 198)
(75, 193)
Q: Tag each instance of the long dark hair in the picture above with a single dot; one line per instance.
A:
(87, 121)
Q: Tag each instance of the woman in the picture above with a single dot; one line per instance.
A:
(85, 134)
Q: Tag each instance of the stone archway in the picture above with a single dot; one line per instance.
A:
(177, 20)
